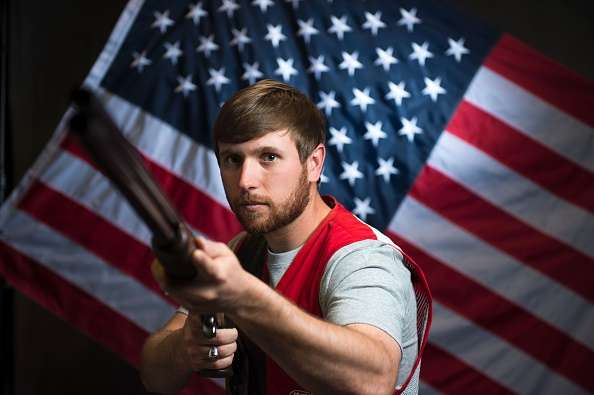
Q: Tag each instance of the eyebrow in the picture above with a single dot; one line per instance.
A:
(259, 150)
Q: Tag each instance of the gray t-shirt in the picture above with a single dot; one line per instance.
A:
(366, 282)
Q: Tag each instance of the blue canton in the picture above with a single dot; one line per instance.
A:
(387, 74)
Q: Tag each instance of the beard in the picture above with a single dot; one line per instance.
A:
(279, 214)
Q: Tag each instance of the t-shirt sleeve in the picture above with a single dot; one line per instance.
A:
(366, 282)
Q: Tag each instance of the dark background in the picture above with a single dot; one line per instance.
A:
(52, 46)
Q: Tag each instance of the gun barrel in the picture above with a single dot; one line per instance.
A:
(119, 160)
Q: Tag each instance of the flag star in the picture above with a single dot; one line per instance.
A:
(306, 29)
(275, 34)
(339, 138)
(362, 98)
(229, 6)
(240, 38)
(285, 68)
(409, 18)
(409, 128)
(374, 22)
(433, 88)
(317, 66)
(386, 168)
(252, 73)
(363, 208)
(351, 172)
(421, 52)
(263, 4)
(350, 62)
(295, 3)
(207, 45)
(185, 85)
(374, 132)
(328, 102)
(196, 12)
(162, 21)
(324, 179)
(385, 58)
(172, 52)
(339, 26)
(397, 92)
(140, 60)
(457, 49)
(217, 78)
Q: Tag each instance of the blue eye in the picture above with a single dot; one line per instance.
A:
(270, 157)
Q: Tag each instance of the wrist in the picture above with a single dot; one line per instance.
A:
(256, 305)
(249, 298)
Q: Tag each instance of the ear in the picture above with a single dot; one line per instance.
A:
(315, 163)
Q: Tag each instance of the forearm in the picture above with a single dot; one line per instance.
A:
(162, 370)
(323, 357)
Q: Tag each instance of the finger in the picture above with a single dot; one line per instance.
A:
(221, 363)
(223, 337)
(213, 248)
(227, 336)
(224, 351)
(205, 264)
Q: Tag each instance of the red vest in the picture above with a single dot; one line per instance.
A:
(301, 282)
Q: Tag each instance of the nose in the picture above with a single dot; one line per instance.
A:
(249, 175)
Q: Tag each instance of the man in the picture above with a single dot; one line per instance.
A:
(332, 309)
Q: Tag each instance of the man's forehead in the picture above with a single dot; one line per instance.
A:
(280, 139)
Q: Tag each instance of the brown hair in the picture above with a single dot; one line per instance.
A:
(268, 106)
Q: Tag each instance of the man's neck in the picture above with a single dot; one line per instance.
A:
(298, 231)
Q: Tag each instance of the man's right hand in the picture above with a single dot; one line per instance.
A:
(195, 346)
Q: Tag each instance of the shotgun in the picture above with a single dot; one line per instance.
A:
(172, 240)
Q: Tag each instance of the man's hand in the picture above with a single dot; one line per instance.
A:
(195, 347)
(219, 284)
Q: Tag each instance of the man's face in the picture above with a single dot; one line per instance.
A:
(266, 184)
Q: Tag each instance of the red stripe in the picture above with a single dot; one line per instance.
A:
(528, 157)
(551, 257)
(79, 308)
(200, 210)
(453, 376)
(72, 303)
(507, 320)
(543, 77)
(94, 233)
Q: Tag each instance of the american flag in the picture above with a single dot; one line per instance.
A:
(472, 151)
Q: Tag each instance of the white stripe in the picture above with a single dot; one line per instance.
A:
(168, 147)
(86, 186)
(494, 357)
(533, 117)
(81, 183)
(69, 260)
(501, 273)
(513, 193)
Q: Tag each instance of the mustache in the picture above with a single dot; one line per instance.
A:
(252, 199)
